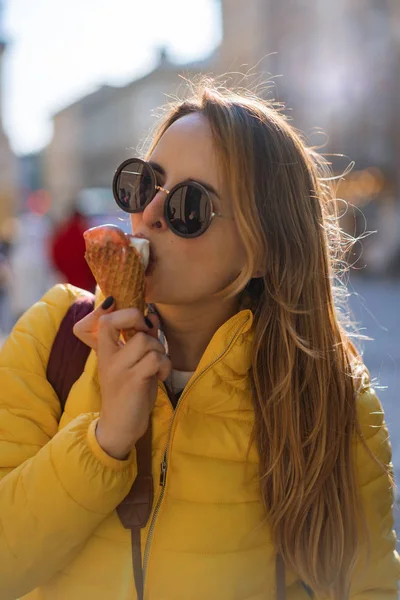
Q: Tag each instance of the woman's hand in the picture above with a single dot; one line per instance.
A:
(128, 373)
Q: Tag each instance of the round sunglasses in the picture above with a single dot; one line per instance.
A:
(188, 208)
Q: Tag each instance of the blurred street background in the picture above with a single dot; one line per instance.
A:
(80, 85)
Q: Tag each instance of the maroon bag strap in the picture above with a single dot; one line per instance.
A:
(68, 354)
(134, 511)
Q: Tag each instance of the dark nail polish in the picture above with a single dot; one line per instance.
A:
(107, 302)
(148, 323)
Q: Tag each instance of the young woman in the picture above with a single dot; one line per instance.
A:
(270, 456)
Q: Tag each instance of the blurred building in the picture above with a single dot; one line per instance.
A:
(8, 163)
(31, 173)
(31, 183)
(96, 133)
(337, 67)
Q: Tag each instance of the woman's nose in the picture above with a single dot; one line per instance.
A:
(153, 215)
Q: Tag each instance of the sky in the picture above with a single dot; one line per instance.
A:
(59, 51)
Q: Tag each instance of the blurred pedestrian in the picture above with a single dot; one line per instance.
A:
(67, 251)
(29, 262)
(250, 448)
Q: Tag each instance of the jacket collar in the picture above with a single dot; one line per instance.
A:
(230, 346)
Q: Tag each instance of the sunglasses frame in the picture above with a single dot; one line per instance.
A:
(169, 194)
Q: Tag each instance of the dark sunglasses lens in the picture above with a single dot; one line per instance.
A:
(188, 210)
(134, 186)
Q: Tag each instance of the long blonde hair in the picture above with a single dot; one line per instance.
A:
(303, 368)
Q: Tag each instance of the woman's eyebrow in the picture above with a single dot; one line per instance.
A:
(208, 187)
(205, 185)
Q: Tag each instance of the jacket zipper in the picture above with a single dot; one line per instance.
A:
(164, 463)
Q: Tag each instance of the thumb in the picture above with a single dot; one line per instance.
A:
(87, 328)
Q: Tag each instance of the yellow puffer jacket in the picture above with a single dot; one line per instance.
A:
(60, 537)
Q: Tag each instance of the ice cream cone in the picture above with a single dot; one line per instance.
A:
(118, 266)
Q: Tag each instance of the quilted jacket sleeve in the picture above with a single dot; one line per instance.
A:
(376, 578)
(55, 487)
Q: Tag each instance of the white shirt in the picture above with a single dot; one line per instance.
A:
(179, 379)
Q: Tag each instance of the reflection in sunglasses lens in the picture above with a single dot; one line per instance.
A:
(189, 210)
(135, 186)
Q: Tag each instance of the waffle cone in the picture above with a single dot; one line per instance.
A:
(119, 272)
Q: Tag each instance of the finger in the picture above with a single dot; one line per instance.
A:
(86, 329)
(153, 363)
(110, 327)
(165, 368)
(155, 321)
(137, 347)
